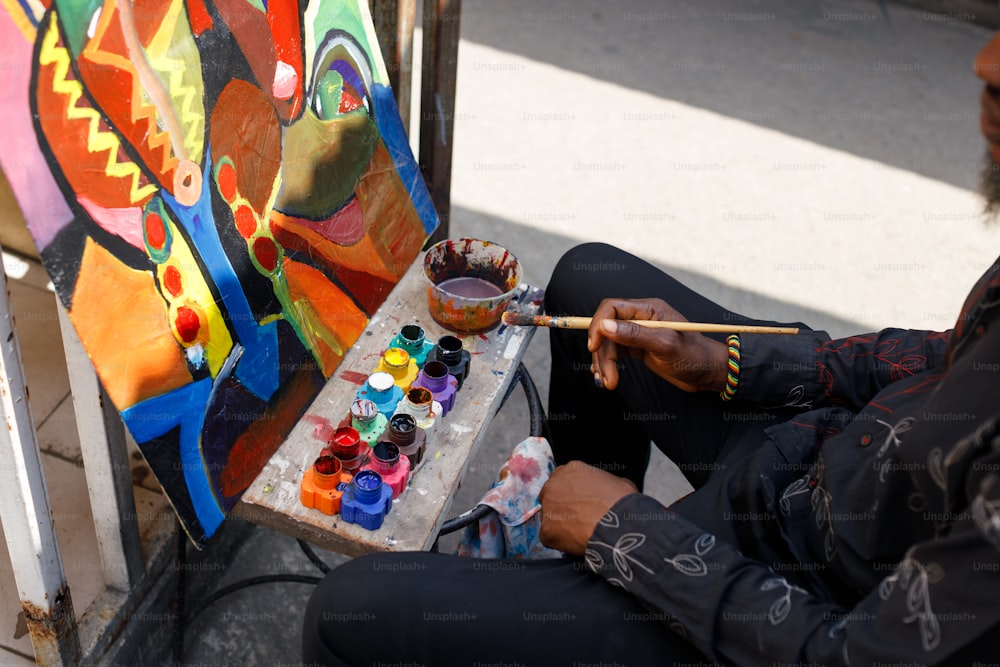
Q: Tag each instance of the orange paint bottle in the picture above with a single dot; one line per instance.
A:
(324, 484)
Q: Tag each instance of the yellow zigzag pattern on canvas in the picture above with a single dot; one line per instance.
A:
(139, 108)
(191, 113)
(172, 53)
(97, 140)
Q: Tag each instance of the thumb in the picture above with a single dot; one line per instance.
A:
(629, 334)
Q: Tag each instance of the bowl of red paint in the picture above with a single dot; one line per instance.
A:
(470, 282)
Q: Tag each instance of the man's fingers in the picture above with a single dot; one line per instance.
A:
(610, 337)
(622, 309)
(635, 335)
(606, 361)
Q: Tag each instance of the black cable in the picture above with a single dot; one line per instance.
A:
(313, 556)
(246, 583)
(474, 515)
(510, 387)
(538, 423)
(182, 622)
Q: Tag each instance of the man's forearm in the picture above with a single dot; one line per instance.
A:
(738, 610)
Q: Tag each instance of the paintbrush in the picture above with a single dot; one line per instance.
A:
(568, 322)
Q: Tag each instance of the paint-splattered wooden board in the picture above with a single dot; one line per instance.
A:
(413, 522)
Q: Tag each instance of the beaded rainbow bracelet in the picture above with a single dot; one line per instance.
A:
(733, 370)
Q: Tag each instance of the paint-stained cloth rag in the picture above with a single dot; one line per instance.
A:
(511, 530)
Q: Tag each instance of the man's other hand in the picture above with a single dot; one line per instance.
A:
(574, 500)
(690, 361)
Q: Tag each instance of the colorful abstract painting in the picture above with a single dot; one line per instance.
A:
(222, 194)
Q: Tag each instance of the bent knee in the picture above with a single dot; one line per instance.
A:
(580, 279)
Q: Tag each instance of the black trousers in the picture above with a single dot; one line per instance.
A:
(435, 609)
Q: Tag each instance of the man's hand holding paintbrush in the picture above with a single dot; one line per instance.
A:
(649, 329)
(689, 360)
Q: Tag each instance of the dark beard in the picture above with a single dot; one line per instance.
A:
(989, 188)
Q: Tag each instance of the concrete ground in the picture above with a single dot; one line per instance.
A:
(795, 161)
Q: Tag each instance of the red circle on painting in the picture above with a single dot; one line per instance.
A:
(246, 221)
(187, 323)
(227, 182)
(266, 253)
(172, 280)
(156, 232)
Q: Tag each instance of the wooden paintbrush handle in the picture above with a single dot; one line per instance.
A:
(705, 327)
(571, 322)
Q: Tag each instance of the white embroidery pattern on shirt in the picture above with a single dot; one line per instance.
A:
(793, 399)
(796, 488)
(915, 578)
(935, 466)
(893, 438)
(986, 512)
(693, 565)
(627, 543)
(781, 607)
(824, 517)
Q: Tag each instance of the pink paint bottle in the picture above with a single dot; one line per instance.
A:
(394, 469)
(443, 385)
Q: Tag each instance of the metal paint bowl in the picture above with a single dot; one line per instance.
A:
(459, 264)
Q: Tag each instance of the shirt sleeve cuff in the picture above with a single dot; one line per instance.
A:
(780, 370)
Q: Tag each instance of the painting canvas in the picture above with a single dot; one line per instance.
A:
(222, 193)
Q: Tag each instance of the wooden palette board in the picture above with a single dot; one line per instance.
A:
(417, 514)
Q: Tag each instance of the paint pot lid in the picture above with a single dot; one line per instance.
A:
(412, 333)
(403, 422)
(364, 410)
(368, 480)
(380, 381)
(396, 357)
(328, 465)
(436, 369)
(386, 451)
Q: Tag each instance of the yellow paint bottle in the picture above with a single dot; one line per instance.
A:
(397, 363)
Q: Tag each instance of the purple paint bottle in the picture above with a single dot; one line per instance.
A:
(440, 382)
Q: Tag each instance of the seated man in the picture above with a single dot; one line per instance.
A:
(846, 511)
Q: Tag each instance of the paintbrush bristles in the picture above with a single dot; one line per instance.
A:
(570, 322)
(552, 321)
